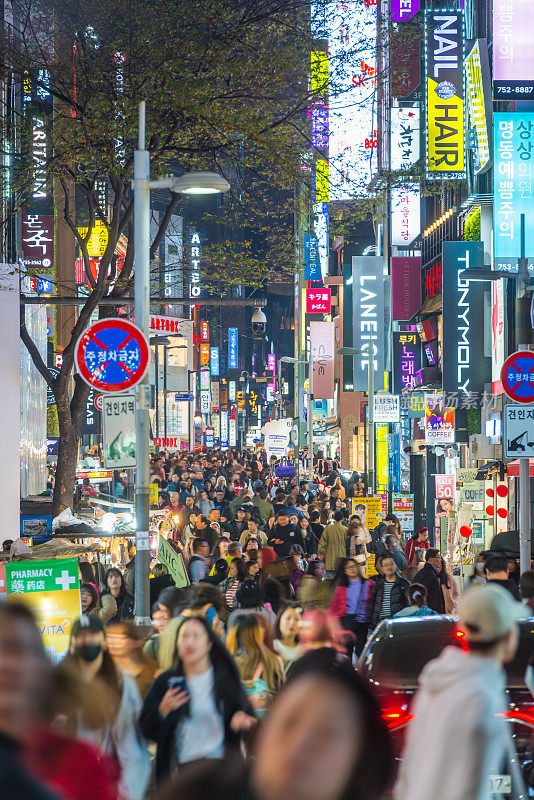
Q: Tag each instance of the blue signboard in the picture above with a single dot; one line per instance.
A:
(513, 193)
(232, 348)
(312, 264)
(394, 461)
(214, 362)
(184, 397)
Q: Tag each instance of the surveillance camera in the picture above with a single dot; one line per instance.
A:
(259, 321)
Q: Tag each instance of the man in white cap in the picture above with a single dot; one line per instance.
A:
(455, 741)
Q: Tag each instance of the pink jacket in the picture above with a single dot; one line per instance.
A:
(338, 603)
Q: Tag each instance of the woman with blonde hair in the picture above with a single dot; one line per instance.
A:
(261, 670)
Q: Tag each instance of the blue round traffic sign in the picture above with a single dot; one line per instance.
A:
(517, 376)
(112, 355)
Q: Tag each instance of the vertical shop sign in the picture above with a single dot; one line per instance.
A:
(405, 288)
(513, 21)
(512, 187)
(322, 349)
(444, 47)
(463, 362)
(368, 319)
(232, 348)
(406, 360)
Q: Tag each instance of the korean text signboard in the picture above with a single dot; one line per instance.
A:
(519, 431)
(512, 188)
(513, 21)
(405, 136)
(517, 376)
(52, 590)
(464, 367)
(405, 214)
(402, 506)
(439, 421)
(444, 39)
(406, 360)
(112, 355)
(118, 416)
(232, 348)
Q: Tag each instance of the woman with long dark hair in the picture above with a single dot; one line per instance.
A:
(351, 601)
(115, 586)
(197, 709)
(418, 541)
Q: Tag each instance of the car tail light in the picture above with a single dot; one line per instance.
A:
(396, 717)
(526, 716)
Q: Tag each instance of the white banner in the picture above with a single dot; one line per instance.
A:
(118, 430)
(405, 214)
(386, 408)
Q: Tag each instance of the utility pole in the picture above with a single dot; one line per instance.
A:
(142, 420)
(522, 342)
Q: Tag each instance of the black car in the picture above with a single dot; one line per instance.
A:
(397, 651)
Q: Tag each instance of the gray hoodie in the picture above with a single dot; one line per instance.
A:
(455, 740)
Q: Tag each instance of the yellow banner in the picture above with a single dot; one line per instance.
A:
(369, 509)
(446, 151)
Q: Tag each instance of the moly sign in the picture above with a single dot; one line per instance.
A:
(368, 318)
(444, 40)
(464, 365)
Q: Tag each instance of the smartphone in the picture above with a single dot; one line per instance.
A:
(177, 682)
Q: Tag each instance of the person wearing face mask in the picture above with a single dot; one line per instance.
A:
(38, 762)
(107, 709)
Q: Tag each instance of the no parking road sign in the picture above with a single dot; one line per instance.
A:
(112, 355)
(517, 376)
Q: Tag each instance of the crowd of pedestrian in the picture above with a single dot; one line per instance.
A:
(246, 685)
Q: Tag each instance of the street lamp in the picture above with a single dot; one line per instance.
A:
(190, 183)
(352, 351)
(296, 361)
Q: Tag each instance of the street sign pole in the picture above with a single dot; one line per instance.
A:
(142, 427)
(524, 515)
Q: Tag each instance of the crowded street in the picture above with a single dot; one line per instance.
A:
(267, 407)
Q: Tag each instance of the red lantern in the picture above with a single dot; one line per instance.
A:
(501, 512)
(466, 531)
(490, 510)
(490, 492)
(502, 490)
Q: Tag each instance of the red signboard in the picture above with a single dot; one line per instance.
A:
(204, 354)
(318, 301)
(433, 280)
(445, 486)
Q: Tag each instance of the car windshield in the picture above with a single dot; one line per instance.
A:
(395, 659)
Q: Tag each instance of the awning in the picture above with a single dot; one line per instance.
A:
(512, 468)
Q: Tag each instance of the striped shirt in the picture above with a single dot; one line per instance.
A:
(231, 593)
(385, 608)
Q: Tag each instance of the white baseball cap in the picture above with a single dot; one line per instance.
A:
(489, 612)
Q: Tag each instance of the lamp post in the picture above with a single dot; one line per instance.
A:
(309, 362)
(190, 183)
(352, 351)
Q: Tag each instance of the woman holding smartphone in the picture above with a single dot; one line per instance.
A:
(196, 710)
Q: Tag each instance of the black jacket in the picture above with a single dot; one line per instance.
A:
(125, 607)
(229, 696)
(289, 536)
(399, 598)
(431, 580)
